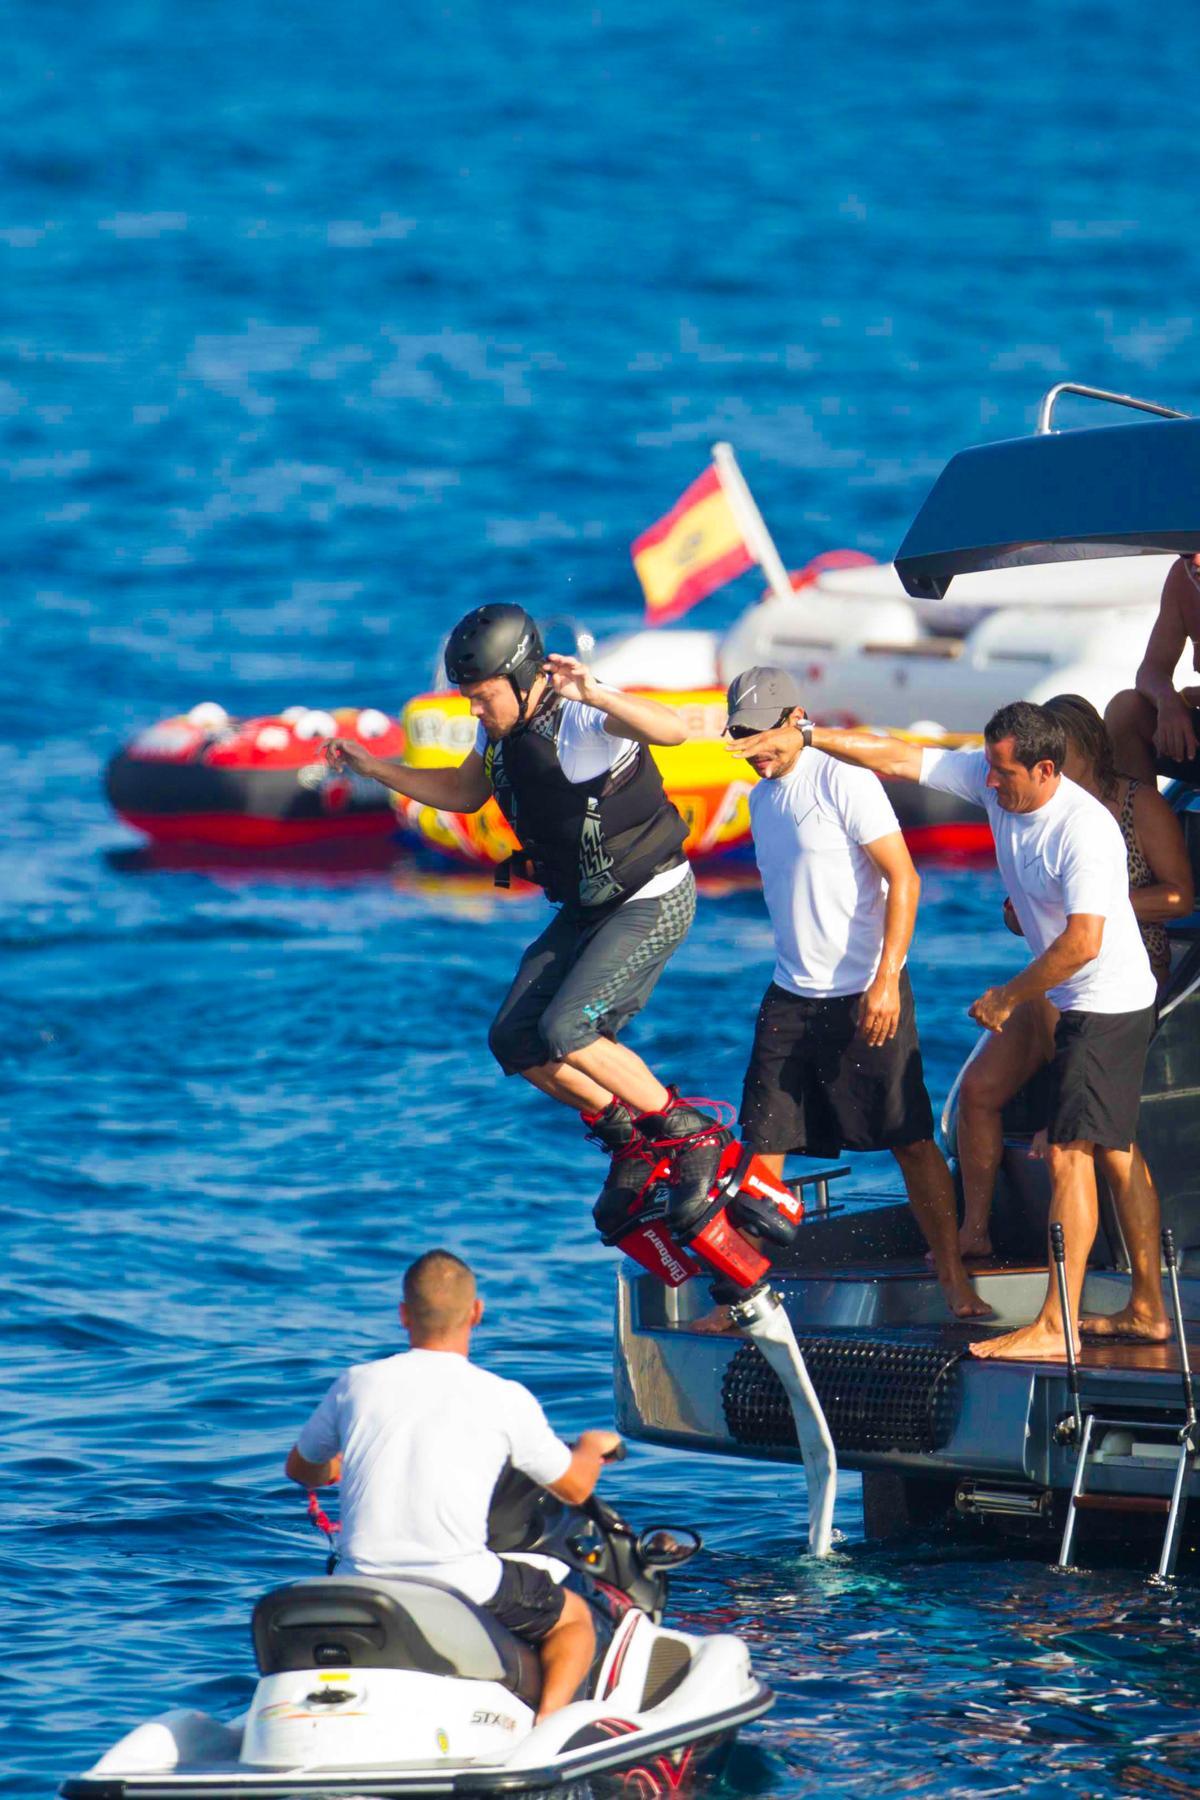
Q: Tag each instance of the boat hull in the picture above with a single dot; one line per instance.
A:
(898, 1388)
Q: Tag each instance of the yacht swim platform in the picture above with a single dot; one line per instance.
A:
(932, 1429)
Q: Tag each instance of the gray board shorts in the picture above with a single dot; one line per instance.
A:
(580, 981)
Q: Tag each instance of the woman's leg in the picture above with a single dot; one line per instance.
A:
(1007, 1061)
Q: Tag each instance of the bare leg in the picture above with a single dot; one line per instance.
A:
(566, 1652)
(931, 1196)
(1073, 1206)
(1136, 1200)
(587, 1079)
(1006, 1062)
(1132, 721)
(611, 1065)
(574, 1089)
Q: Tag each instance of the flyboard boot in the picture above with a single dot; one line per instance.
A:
(634, 1161)
(676, 1232)
(693, 1144)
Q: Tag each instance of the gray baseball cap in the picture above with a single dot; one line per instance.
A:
(759, 698)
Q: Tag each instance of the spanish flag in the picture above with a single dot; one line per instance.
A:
(696, 547)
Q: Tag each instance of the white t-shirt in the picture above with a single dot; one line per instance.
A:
(424, 1437)
(1067, 857)
(825, 896)
(585, 750)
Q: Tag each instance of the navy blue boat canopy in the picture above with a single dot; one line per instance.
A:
(1116, 490)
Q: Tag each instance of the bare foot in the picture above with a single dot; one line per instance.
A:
(1031, 1343)
(961, 1298)
(713, 1323)
(1138, 1326)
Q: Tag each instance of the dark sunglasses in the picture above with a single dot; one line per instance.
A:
(749, 731)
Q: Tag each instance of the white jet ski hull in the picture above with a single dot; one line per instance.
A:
(402, 1733)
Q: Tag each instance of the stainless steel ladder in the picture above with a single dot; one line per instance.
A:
(1079, 1427)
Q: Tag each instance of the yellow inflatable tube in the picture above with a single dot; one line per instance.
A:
(708, 785)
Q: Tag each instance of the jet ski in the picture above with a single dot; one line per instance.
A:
(403, 1687)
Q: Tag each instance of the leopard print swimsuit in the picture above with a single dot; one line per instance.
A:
(1142, 875)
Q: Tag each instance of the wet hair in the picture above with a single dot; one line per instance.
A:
(439, 1292)
(1037, 735)
(1089, 734)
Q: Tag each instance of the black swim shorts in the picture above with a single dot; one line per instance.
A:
(528, 1601)
(815, 1087)
(579, 982)
(1096, 1077)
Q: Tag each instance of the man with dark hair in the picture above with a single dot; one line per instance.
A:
(418, 1441)
(836, 1062)
(1155, 727)
(1063, 860)
(568, 763)
(1037, 735)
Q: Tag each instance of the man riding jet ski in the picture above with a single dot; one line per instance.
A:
(569, 765)
(416, 1668)
(418, 1442)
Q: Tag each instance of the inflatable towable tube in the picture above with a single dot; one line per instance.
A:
(710, 787)
(203, 778)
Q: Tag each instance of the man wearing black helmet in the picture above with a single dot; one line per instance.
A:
(568, 763)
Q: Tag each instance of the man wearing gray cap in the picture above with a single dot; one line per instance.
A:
(836, 1063)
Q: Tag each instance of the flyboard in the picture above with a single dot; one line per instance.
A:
(744, 1198)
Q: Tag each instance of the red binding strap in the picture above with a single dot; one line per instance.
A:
(726, 1113)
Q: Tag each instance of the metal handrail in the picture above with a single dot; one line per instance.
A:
(1046, 409)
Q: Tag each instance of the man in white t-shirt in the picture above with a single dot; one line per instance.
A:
(418, 1442)
(836, 1062)
(1064, 864)
(568, 762)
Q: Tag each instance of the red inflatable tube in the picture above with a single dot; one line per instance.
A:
(205, 779)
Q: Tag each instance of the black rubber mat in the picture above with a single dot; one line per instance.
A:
(876, 1394)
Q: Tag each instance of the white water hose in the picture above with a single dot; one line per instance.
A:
(762, 1317)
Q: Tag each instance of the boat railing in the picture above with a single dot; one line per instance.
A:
(1045, 418)
(818, 1180)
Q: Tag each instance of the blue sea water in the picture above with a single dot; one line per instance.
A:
(317, 326)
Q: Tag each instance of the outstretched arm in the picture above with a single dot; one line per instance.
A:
(463, 789)
(867, 750)
(629, 715)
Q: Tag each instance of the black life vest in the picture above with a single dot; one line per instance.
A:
(590, 844)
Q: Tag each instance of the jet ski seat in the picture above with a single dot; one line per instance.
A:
(352, 1622)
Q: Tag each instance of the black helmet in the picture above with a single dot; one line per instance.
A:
(495, 640)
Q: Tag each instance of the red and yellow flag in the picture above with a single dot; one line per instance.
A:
(696, 547)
